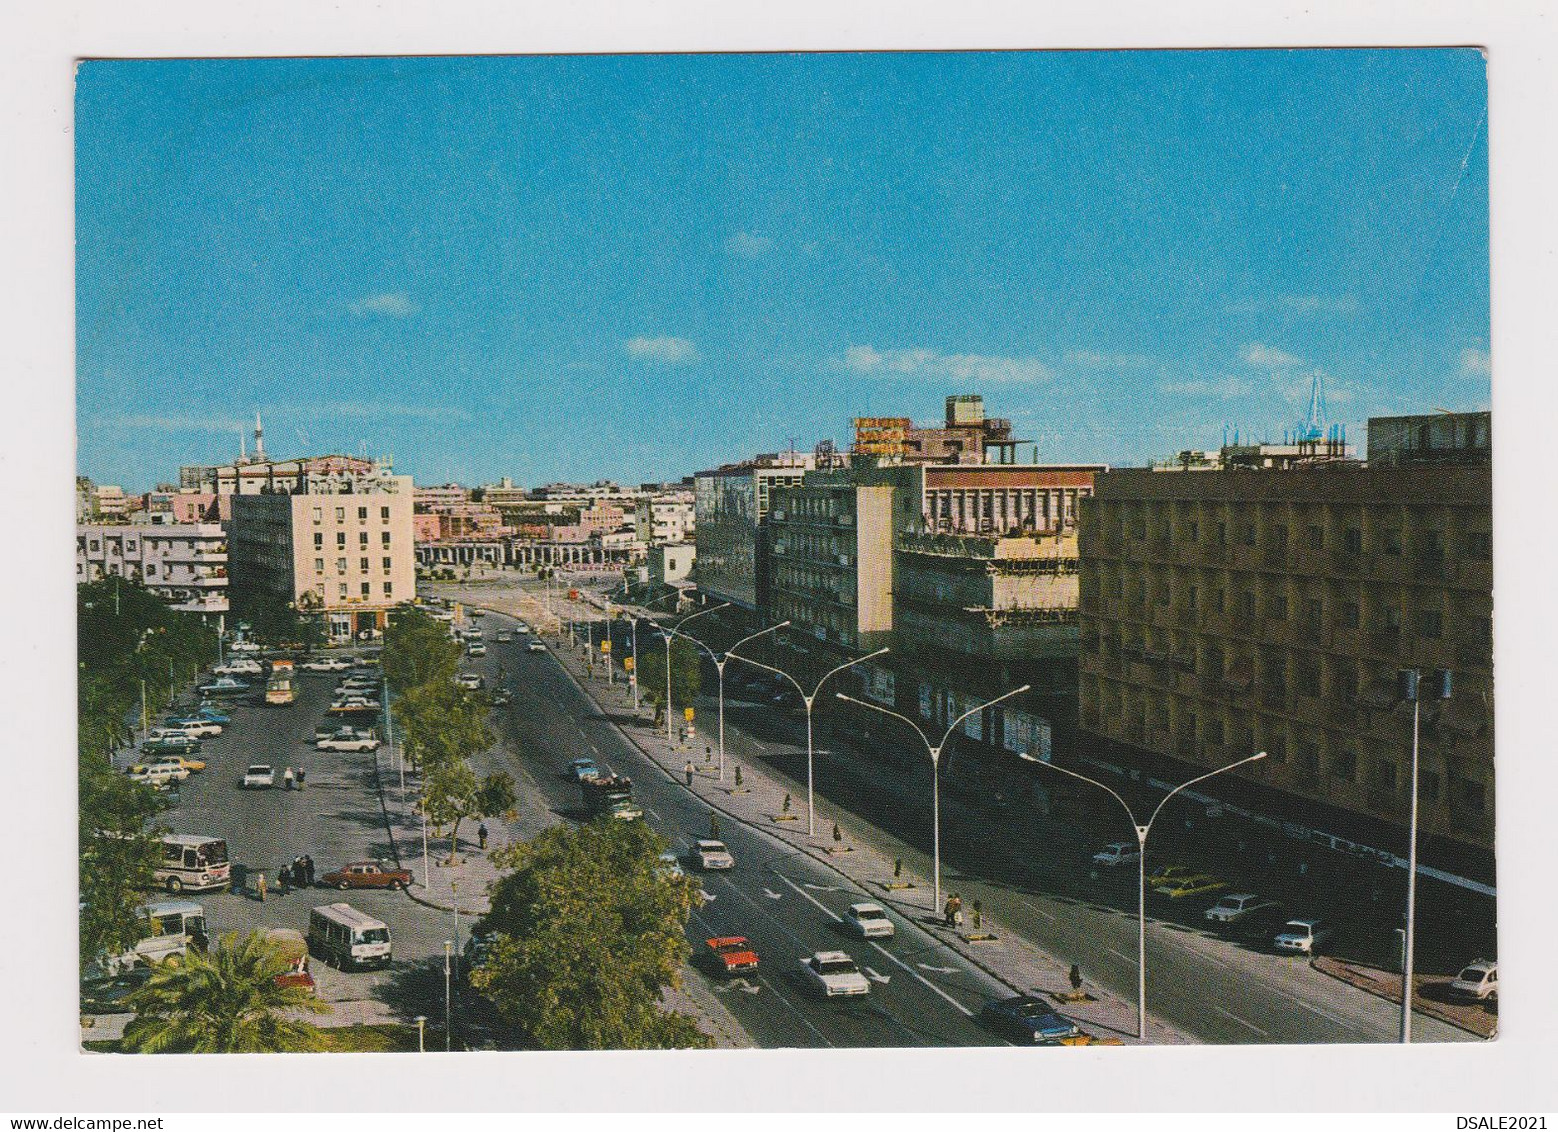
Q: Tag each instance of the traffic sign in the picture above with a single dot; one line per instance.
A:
(687, 714)
(627, 663)
(605, 647)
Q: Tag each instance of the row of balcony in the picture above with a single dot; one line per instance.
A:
(1420, 568)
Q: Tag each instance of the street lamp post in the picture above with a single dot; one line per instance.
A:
(719, 666)
(448, 1012)
(421, 1021)
(1410, 685)
(935, 774)
(1141, 866)
(808, 700)
(633, 621)
(426, 880)
(672, 632)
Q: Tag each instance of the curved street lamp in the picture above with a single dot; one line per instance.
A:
(811, 811)
(633, 621)
(672, 632)
(935, 775)
(1141, 866)
(719, 666)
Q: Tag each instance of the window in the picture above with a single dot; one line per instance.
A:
(1352, 540)
(1163, 593)
(1472, 795)
(389, 588)
(343, 589)
(93, 544)
(319, 565)
(1390, 541)
(319, 540)
(366, 587)
(362, 514)
(362, 565)
(1385, 775)
(1279, 538)
(1344, 683)
(1212, 661)
(1314, 613)
(151, 569)
(1277, 607)
(1220, 599)
(384, 513)
(1214, 732)
(1192, 531)
(1344, 765)
(1428, 785)
(129, 548)
(384, 539)
(340, 540)
(1347, 615)
(1192, 596)
(318, 514)
(1479, 544)
(1221, 538)
(1307, 677)
(1247, 534)
(1430, 624)
(386, 565)
(340, 565)
(1247, 605)
(340, 514)
(1316, 537)
(1392, 618)
(1308, 757)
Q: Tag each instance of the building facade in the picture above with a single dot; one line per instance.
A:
(346, 555)
(661, 520)
(183, 563)
(731, 504)
(1228, 612)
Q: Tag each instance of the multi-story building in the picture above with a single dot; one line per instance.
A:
(1229, 612)
(183, 563)
(427, 499)
(109, 504)
(663, 519)
(504, 493)
(966, 437)
(1437, 438)
(670, 564)
(342, 549)
(730, 505)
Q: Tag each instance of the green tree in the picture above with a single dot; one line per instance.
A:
(588, 931)
(119, 849)
(686, 673)
(453, 794)
(418, 650)
(224, 1001)
(440, 722)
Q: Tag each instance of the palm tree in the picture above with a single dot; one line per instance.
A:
(226, 1000)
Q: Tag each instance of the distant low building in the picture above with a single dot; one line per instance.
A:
(185, 564)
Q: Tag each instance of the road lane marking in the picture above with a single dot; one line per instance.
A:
(885, 953)
(1241, 1021)
(1122, 955)
(1323, 1013)
(1036, 908)
(1212, 959)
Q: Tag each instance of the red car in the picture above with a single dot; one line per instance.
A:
(730, 955)
(366, 874)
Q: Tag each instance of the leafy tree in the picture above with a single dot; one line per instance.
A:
(440, 722)
(589, 929)
(224, 1001)
(418, 650)
(119, 850)
(453, 793)
(686, 673)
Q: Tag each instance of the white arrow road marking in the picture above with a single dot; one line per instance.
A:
(888, 955)
(772, 895)
(875, 978)
(939, 970)
(822, 887)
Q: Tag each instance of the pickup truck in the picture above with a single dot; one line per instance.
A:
(606, 795)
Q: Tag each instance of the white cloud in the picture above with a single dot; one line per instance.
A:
(1476, 363)
(1319, 304)
(671, 351)
(358, 410)
(1269, 357)
(396, 304)
(1094, 359)
(931, 364)
(174, 422)
(1223, 386)
(748, 246)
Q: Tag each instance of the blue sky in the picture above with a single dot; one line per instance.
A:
(635, 267)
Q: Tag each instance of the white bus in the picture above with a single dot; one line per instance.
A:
(192, 861)
(341, 935)
(168, 928)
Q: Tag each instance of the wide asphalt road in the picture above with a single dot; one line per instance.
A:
(786, 904)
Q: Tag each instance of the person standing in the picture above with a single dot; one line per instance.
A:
(481, 835)
(259, 887)
(287, 779)
(300, 778)
(308, 871)
(688, 771)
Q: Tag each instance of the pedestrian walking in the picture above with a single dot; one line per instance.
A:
(481, 834)
(978, 915)
(688, 770)
(954, 910)
(1076, 977)
(308, 871)
(283, 878)
(287, 779)
(259, 887)
(300, 778)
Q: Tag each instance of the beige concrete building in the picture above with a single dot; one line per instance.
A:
(1226, 612)
(346, 555)
(185, 564)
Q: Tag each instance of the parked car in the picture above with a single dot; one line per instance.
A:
(1168, 872)
(471, 681)
(291, 943)
(153, 775)
(260, 776)
(224, 686)
(170, 742)
(366, 874)
(1118, 853)
(358, 743)
(729, 955)
(243, 666)
(476, 648)
(1238, 906)
(832, 974)
(1176, 888)
(1304, 937)
(504, 637)
(1028, 1019)
(1477, 981)
(868, 921)
(580, 769)
(710, 855)
(179, 762)
(501, 698)
(536, 646)
(251, 647)
(326, 664)
(195, 726)
(213, 713)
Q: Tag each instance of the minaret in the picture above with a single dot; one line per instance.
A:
(259, 439)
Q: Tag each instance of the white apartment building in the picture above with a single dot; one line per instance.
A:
(342, 550)
(185, 564)
(665, 519)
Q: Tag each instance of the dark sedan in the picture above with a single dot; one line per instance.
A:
(1029, 1020)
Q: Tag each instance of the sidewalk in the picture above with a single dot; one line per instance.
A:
(1428, 994)
(999, 952)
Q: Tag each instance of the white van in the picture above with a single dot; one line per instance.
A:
(166, 931)
(348, 938)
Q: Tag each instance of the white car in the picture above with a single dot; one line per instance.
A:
(1117, 853)
(243, 666)
(259, 777)
(348, 743)
(471, 681)
(1237, 906)
(156, 774)
(868, 921)
(832, 974)
(711, 854)
(1304, 937)
(536, 646)
(197, 728)
(504, 637)
(243, 646)
(1477, 981)
(326, 664)
(476, 648)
